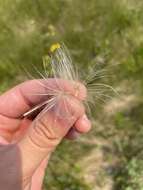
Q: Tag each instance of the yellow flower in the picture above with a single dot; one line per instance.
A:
(54, 47)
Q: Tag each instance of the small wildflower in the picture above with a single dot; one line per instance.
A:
(54, 47)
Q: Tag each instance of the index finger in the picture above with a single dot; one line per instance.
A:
(25, 96)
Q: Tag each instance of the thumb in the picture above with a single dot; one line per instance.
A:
(47, 131)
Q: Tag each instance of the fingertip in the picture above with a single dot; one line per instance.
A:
(83, 125)
(80, 91)
(76, 89)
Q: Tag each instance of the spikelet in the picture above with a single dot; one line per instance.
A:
(61, 67)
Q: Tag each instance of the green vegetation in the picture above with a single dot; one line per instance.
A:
(107, 32)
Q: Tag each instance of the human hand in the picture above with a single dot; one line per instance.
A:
(26, 145)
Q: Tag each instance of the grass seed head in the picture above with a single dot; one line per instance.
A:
(62, 67)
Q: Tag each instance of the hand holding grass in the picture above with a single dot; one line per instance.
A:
(26, 145)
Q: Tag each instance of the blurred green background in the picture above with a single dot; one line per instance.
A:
(106, 32)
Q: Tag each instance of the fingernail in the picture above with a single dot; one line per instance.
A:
(85, 118)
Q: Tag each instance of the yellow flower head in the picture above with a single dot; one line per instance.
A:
(54, 47)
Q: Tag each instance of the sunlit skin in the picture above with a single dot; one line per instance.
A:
(35, 140)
